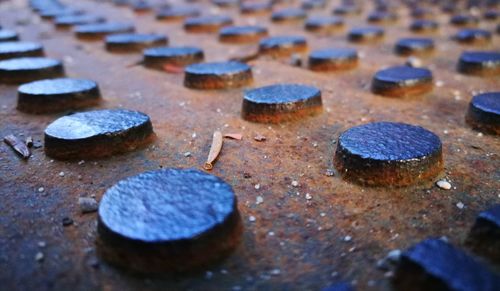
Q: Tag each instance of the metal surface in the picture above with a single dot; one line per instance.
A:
(297, 239)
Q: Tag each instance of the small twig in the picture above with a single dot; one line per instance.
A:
(215, 150)
(18, 146)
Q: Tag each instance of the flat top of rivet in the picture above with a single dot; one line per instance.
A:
(488, 102)
(276, 41)
(18, 47)
(6, 34)
(324, 20)
(281, 93)
(212, 19)
(488, 57)
(403, 75)
(134, 38)
(415, 42)
(472, 33)
(166, 205)
(104, 27)
(367, 30)
(492, 214)
(92, 123)
(389, 141)
(443, 261)
(244, 29)
(57, 86)
(78, 19)
(334, 53)
(28, 63)
(171, 51)
(289, 13)
(217, 68)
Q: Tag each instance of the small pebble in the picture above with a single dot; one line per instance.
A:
(259, 138)
(460, 205)
(259, 200)
(308, 196)
(347, 238)
(414, 62)
(61, 174)
(87, 205)
(275, 272)
(257, 186)
(187, 154)
(41, 189)
(42, 244)
(252, 218)
(295, 183)
(443, 184)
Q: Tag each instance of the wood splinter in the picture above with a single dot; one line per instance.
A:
(214, 150)
(19, 146)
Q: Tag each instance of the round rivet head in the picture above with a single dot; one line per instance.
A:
(288, 15)
(100, 30)
(23, 70)
(209, 24)
(57, 12)
(333, 59)
(255, 8)
(177, 13)
(491, 14)
(134, 42)
(281, 103)
(225, 3)
(73, 20)
(158, 57)
(484, 112)
(313, 4)
(424, 26)
(142, 6)
(347, 10)
(365, 34)
(473, 36)
(8, 35)
(382, 17)
(171, 220)
(414, 46)
(55, 95)
(324, 24)
(219, 75)
(18, 49)
(464, 20)
(242, 34)
(422, 13)
(480, 63)
(282, 46)
(402, 81)
(97, 134)
(388, 154)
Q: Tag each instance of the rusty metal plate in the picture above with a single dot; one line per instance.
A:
(305, 228)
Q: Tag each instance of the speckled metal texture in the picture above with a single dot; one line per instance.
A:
(290, 242)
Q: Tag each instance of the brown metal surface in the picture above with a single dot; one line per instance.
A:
(294, 239)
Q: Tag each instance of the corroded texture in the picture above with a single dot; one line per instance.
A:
(326, 25)
(96, 134)
(366, 34)
(168, 220)
(56, 95)
(480, 63)
(484, 112)
(333, 59)
(473, 36)
(242, 34)
(282, 46)
(388, 154)
(134, 42)
(280, 103)
(209, 24)
(158, 57)
(402, 81)
(220, 75)
(307, 251)
(100, 30)
(436, 265)
(22, 70)
(414, 46)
